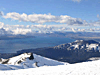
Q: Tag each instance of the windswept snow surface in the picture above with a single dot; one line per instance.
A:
(86, 68)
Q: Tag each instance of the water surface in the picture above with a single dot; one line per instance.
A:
(13, 45)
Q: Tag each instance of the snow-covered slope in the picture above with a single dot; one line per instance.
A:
(27, 60)
(86, 68)
(32, 64)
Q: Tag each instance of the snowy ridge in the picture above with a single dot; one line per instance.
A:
(26, 60)
(32, 64)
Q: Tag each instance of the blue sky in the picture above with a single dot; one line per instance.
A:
(84, 9)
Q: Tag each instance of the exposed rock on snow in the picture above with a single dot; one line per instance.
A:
(27, 60)
(17, 59)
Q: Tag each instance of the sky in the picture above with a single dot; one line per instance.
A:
(50, 12)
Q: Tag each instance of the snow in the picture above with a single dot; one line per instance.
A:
(45, 66)
(86, 68)
(78, 40)
(89, 46)
(25, 63)
(14, 60)
(76, 46)
(93, 46)
(49, 62)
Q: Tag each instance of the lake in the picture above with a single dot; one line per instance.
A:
(13, 45)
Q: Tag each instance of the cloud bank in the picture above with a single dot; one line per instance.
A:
(43, 29)
(43, 18)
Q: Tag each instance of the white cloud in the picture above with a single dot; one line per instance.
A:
(1, 13)
(43, 18)
(1, 24)
(31, 29)
(76, 0)
(21, 31)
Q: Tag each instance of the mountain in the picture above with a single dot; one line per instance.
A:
(80, 45)
(85, 68)
(77, 51)
(33, 64)
(27, 60)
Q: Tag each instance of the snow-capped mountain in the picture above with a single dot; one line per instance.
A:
(27, 60)
(87, 45)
